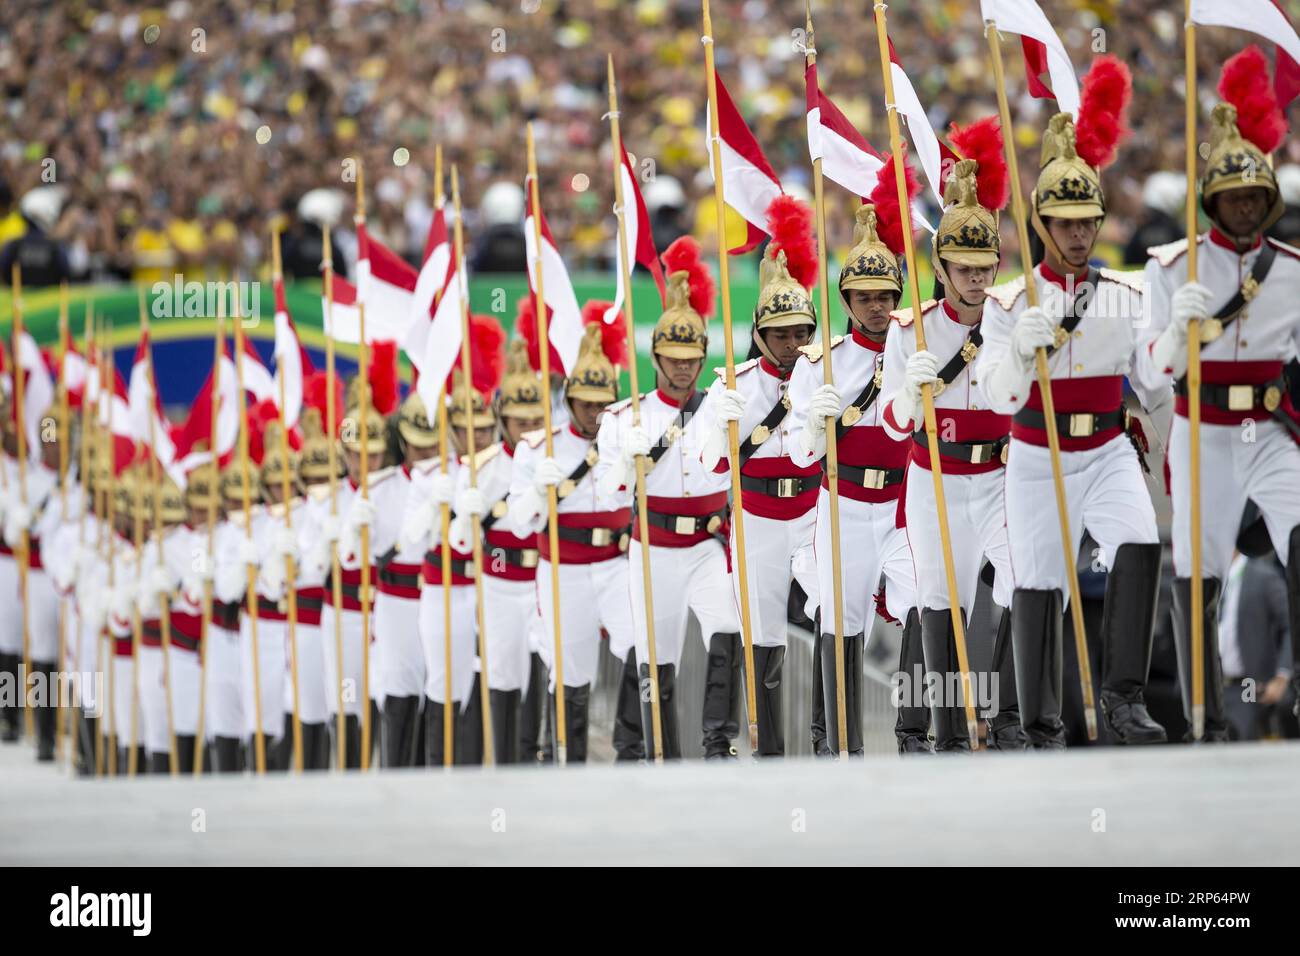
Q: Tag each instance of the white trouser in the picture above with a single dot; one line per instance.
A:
(871, 544)
(11, 609)
(43, 621)
(349, 623)
(400, 656)
(777, 551)
(592, 596)
(124, 703)
(977, 525)
(311, 675)
(464, 645)
(91, 661)
(184, 668)
(1265, 469)
(682, 579)
(1105, 493)
(508, 608)
(272, 667)
(224, 697)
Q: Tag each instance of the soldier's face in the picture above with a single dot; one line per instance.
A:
(586, 415)
(680, 373)
(50, 453)
(273, 492)
(413, 454)
(870, 308)
(516, 428)
(482, 438)
(1074, 237)
(1241, 211)
(784, 343)
(353, 458)
(969, 282)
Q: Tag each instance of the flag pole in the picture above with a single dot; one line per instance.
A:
(832, 444)
(1194, 390)
(364, 372)
(290, 565)
(110, 496)
(927, 390)
(444, 518)
(331, 428)
(470, 456)
(625, 265)
(24, 549)
(552, 522)
(733, 428)
(164, 599)
(84, 481)
(62, 392)
(251, 599)
(205, 621)
(1044, 389)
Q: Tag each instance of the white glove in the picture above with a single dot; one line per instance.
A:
(161, 580)
(1191, 300)
(458, 534)
(444, 489)
(922, 368)
(18, 517)
(825, 403)
(636, 443)
(329, 528)
(361, 512)
(270, 580)
(192, 588)
(285, 545)
(248, 553)
(730, 408)
(64, 573)
(470, 502)
(6, 499)
(122, 600)
(203, 567)
(547, 474)
(1034, 330)
(93, 611)
(417, 523)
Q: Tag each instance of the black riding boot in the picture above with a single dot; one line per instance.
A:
(577, 706)
(1293, 609)
(721, 717)
(160, 762)
(1127, 632)
(1036, 625)
(817, 720)
(768, 664)
(279, 752)
(10, 711)
(1005, 732)
(505, 724)
(912, 728)
(47, 714)
(88, 729)
(185, 753)
(947, 709)
(399, 730)
(315, 746)
(853, 644)
(434, 728)
(227, 754)
(667, 674)
(629, 741)
(469, 727)
(1216, 724)
(531, 710)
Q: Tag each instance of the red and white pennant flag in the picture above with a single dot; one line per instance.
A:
(144, 403)
(933, 154)
(638, 237)
(292, 365)
(749, 183)
(1266, 19)
(386, 284)
(564, 317)
(1044, 51)
(847, 158)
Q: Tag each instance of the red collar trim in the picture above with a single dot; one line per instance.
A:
(353, 484)
(860, 337)
(406, 469)
(1050, 275)
(773, 370)
(1220, 239)
(666, 399)
(508, 448)
(577, 434)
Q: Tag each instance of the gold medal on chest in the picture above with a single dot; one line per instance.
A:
(852, 415)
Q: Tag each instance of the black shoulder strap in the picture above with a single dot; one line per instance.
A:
(965, 355)
(689, 407)
(865, 397)
(1088, 287)
(763, 429)
(1232, 308)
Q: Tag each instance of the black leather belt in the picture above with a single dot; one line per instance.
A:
(525, 558)
(791, 487)
(396, 579)
(874, 478)
(974, 452)
(1240, 398)
(687, 524)
(596, 537)
(1075, 424)
(459, 567)
(225, 615)
(310, 603)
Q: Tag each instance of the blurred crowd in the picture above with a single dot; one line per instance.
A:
(166, 137)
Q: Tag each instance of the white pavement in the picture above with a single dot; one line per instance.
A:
(1168, 805)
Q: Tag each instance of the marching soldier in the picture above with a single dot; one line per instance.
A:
(1244, 297)
(687, 513)
(592, 531)
(965, 258)
(225, 719)
(779, 497)
(1089, 321)
(11, 626)
(510, 560)
(871, 465)
(128, 718)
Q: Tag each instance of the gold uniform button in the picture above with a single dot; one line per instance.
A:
(1243, 343)
(1078, 368)
(1078, 333)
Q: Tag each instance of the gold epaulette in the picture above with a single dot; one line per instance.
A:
(319, 492)
(1131, 280)
(721, 371)
(483, 456)
(813, 351)
(617, 407)
(904, 317)
(1007, 293)
(381, 475)
(1280, 246)
(535, 437)
(1170, 252)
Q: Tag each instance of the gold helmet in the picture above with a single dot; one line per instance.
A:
(413, 422)
(521, 388)
(231, 484)
(173, 502)
(682, 330)
(487, 364)
(1072, 156)
(278, 459)
(201, 491)
(480, 408)
(782, 300)
(602, 351)
(355, 432)
(314, 459)
(1244, 131)
(870, 264)
(968, 232)
(138, 488)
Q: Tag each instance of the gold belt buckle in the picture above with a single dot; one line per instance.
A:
(1082, 424)
(981, 454)
(528, 558)
(787, 487)
(873, 478)
(1241, 398)
(601, 537)
(685, 524)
